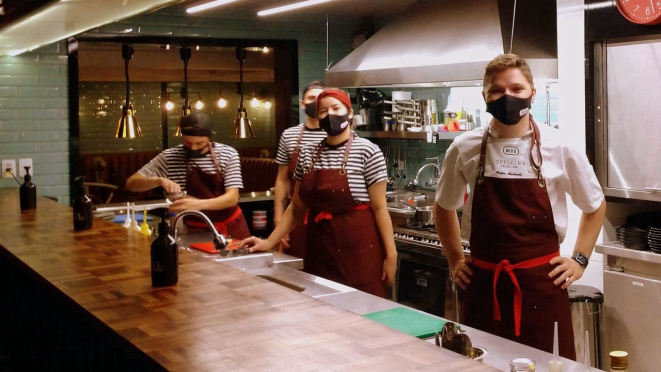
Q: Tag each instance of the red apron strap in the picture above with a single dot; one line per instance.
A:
(213, 158)
(506, 266)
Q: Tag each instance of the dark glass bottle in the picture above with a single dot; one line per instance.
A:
(82, 207)
(28, 192)
(164, 256)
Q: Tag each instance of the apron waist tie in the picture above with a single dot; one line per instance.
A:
(324, 215)
(506, 266)
(220, 226)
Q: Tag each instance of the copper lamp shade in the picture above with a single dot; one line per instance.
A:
(128, 126)
(185, 111)
(242, 127)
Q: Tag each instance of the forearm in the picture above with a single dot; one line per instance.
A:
(384, 224)
(138, 182)
(281, 199)
(447, 226)
(228, 200)
(588, 230)
(292, 216)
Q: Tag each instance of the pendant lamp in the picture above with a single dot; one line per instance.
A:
(128, 126)
(185, 54)
(242, 127)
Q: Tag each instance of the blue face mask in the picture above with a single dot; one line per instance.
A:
(334, 124)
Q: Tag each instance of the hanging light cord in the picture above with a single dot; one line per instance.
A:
(240, 55)
(186, 82)
(513, 20)
(127, 53)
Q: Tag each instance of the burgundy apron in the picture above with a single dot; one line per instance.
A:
(513, 239)
(297, 235)
(342, 241)
(202, 185)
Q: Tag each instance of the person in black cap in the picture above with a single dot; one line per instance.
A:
(209, 172)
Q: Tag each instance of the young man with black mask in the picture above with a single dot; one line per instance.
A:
(516, 215)
(291, 142)
(209, 172)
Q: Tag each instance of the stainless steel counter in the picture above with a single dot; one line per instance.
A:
(283, 269)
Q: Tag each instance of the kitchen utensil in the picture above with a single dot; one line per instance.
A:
(396, 166)
(127, 220)
(555, 365)
(409, 321)
(452, 339)
(208, 247)
(404, 177)
(173, 196)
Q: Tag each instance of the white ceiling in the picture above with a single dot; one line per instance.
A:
(334, 7)
(67, 18)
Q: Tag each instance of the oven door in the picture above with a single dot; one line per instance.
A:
(423, 280)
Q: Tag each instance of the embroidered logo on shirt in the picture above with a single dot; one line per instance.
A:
(509, 150)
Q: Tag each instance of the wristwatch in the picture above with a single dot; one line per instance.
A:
(581, 259)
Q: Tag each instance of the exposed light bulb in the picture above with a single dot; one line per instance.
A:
(265, 50)
(254, 102)
(197, 47)
(222, 103)
(167, 46)
(199, 105)
(169, 105)
(267, 105)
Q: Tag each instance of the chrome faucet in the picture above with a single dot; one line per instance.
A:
(432, 181)
(219, 241)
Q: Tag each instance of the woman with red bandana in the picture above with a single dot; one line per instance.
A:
(342, 180)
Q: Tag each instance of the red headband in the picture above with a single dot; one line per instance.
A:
(337, 94)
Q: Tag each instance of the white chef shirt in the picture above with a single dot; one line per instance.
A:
(566, 171)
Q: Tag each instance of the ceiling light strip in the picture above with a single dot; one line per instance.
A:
(209, 5)
(289, 7)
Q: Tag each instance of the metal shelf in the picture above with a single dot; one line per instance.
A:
(443, 136)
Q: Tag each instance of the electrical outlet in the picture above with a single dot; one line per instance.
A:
(8, 167)
(22, 163)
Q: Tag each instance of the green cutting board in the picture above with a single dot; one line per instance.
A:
(408, 321)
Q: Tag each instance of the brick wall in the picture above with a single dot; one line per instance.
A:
(34, 117)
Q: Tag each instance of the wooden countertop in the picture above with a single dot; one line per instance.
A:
(216, 317)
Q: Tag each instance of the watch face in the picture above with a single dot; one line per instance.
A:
(581, 259)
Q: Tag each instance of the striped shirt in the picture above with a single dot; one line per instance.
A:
(171, 164)
(289, 138)
(365, 166)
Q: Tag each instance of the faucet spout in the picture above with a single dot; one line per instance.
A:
(219, 241)
(435, 178)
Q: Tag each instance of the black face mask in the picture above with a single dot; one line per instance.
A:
(334, 124)
(509, 110)
(311, 109)
(194, 154)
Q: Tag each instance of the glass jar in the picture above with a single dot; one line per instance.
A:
(522, 365)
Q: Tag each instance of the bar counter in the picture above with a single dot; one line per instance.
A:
(84, 301)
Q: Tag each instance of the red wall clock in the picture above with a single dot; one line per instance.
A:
(644, 12)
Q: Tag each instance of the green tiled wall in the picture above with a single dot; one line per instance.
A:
(34, 117)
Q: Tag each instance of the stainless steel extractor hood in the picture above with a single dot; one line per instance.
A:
(449, 42)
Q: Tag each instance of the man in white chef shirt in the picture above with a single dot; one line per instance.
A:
(516, 215)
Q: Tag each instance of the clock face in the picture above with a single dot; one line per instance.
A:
(644, 12)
